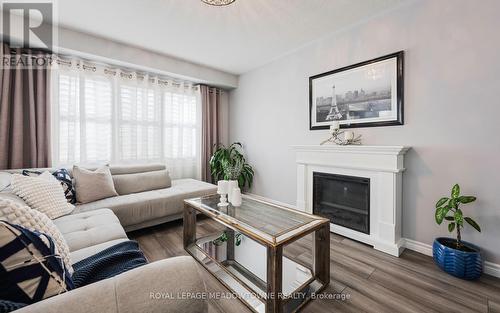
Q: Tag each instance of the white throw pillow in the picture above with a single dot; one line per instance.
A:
(43, 193)
(93, 185)
(34, 220)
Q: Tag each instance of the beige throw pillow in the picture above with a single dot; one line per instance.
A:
(93, 185)
(43, 193)
(34, 220)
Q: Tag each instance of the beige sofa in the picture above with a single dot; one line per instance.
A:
(142, 209)
(93, 227)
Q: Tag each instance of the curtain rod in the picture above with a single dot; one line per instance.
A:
(62, 59)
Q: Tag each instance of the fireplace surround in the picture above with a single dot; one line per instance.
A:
(381, 166)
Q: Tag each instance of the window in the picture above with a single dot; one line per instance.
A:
(99, 118)
(139, 124)
(180, 132)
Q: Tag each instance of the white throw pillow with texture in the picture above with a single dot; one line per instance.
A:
(43, 193)
(34, 220)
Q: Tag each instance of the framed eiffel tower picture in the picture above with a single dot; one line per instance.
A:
(361, 95)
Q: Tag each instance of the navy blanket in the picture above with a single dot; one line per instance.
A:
(114, 260)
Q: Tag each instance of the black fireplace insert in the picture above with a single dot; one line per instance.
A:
(345, 200)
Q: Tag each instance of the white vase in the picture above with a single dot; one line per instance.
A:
(236, 197)
(232, 184)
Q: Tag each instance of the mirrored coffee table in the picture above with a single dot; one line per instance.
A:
(245, 251)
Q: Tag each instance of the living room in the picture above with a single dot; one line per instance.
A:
(249, 156)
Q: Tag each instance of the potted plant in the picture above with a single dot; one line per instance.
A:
(230, 164)
(455, 256)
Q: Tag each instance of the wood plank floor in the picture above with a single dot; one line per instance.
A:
(370, 281)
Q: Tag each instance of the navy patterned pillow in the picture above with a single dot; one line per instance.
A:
(30, 268)
(63, 176)
(31, 173)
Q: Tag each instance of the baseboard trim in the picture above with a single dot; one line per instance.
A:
(490, 268)
(417, 246)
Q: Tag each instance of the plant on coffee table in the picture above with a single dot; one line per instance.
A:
(229, 163)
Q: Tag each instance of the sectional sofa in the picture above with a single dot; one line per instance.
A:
(95, 226)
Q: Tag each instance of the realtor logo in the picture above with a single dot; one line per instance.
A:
(28, 24)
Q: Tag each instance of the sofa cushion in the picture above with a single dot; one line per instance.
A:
(136, 168)
(63, 176)
(30, 268)
(138, 182)
(93, 185)
(34, 220)
(12, 197)
(43, 193)
(149, 205)
(89, 229)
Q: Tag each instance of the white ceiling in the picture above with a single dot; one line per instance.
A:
(235, 39)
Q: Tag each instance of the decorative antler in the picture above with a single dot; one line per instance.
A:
(335, 138)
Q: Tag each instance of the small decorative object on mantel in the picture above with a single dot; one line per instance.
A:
(336, 136)
(218, 3)
(455, 256)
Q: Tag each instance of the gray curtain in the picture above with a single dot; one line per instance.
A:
(210, 103)
(24, 114)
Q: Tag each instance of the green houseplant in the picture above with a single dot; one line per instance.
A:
(229, 163)
(455, 256)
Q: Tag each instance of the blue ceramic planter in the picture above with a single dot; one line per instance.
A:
(462, 264)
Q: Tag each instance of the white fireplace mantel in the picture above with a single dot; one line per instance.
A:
(383, 165)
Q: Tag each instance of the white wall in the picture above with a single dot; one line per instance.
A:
(452, 110)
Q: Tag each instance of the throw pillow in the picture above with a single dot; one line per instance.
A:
(30, 270)
(34, 220)
(93, 185)
(43, 193)
(63, 176)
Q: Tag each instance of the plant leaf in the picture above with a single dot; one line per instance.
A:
(441, 202)
(439, 215)
(455, 191)
(453, 203)
(473, 223)
(459, 218)
(451, 227)
(449, 218)
(238, 239)
(466, 199)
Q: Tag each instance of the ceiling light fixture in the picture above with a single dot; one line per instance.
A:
(218, 3)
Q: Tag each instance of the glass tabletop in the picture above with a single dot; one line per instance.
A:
(264, 220)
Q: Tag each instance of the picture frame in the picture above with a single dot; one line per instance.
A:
(366, 94)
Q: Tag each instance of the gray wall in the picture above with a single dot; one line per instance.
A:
(452, 110)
